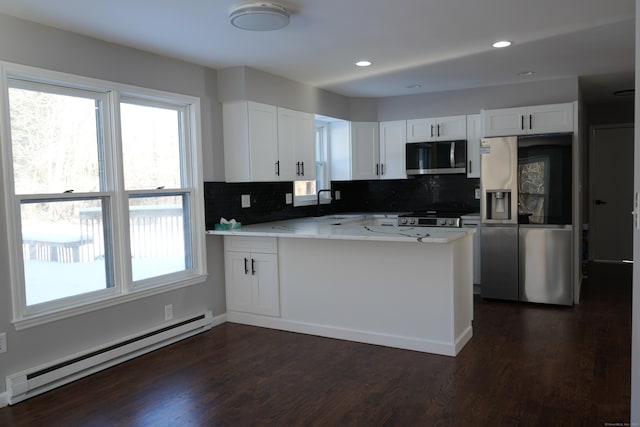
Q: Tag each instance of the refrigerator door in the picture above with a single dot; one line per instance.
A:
(499, 262)
(546, 264)
(498, 180)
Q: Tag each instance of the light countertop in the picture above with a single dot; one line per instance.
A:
(347, 227)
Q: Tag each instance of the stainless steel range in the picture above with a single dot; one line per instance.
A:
(431, 219)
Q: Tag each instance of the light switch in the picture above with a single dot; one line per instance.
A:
(246, 200)
(288, 198)
(477, 194)
(336, 194)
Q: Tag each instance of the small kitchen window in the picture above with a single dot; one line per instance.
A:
(305, 192)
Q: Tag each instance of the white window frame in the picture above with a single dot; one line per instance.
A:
(124, 289)
(325, 198)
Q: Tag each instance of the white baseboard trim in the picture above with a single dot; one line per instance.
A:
(407, 343)
(4, 399)
(219, 320)
(463, 339)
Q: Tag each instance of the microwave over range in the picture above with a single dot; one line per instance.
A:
(436, 157)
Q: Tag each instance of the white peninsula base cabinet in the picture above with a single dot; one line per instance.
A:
(409, 294)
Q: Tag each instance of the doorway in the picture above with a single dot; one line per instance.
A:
(611, 193)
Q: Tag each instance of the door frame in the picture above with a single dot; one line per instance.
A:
(592, 165)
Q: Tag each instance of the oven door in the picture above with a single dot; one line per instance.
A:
(438, 157)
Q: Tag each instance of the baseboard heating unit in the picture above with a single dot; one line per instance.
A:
(43, 378)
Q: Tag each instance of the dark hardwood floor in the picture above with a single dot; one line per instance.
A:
(528, 365)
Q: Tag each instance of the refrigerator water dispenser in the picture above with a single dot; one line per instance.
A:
(499, 205)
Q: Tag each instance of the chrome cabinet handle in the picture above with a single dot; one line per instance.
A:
(278, 168)
(431, 131)
(246, 267)
(302, 168)
(521, 122)
(381, 169)
(530, 121)
(253, 267)
(438, 130)
(470, 166)
(452, 155)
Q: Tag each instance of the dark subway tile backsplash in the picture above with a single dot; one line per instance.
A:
(454, 192)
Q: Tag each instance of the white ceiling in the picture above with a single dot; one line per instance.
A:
(439, 44)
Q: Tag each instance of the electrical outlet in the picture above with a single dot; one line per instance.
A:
(246, 200)
(336, 194)
(288, 198)
(477, 194)
(168, 312)
(3, 342)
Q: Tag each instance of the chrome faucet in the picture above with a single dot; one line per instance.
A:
(324, 190)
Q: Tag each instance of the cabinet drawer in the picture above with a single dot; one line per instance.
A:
(251, 244)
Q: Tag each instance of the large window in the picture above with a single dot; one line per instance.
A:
(105, 197)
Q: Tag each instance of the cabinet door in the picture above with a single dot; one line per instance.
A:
(504, 122)
(422, 130)
(263, 141)
(238, 281)
(393, 139)
(287, 129)
(550, 118)
(474, 134)
(236, 142)
(365, 150)
(266, 289)
(305, 147)
(451, 128)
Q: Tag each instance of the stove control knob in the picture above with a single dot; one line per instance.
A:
(403, 221)
(412, 221)
(451, 221)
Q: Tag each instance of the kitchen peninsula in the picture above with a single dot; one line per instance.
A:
(348, 277)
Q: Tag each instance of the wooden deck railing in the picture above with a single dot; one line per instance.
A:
(155, 232)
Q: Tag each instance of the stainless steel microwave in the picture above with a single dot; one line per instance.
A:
(436, 157)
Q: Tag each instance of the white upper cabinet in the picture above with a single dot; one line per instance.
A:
(263, 142)
(296, 145)
(474, 134)
(365, 150)
(528, 120)
(355, 151)
(266, 143)
(250, 134)
(393, 138)
(437, 129)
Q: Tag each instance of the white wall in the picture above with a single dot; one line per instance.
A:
(35, 45)
(245, 83)
(471, 101)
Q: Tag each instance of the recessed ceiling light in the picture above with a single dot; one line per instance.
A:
(526, 73)
(363, 63)
(259, 17)
(414, 86)
(501, 43)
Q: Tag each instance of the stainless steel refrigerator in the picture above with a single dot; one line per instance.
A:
(526, 232)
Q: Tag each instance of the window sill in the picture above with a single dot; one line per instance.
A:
(44, 318)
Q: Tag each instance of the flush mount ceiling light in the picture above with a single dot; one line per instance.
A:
(526, 73)
(414, 86)
(501, 43)
(363, 63)
(259, 17)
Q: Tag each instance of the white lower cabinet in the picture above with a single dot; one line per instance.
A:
(251, 275)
